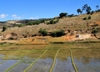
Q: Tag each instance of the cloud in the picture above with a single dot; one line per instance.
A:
(16, 17)
(3, 15)
(32, 18)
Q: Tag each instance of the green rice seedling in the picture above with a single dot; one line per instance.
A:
(35, 61)
(17, 62)
(72, 60)
(54, 62)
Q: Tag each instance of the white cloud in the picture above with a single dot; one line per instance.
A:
(16, 17)
(32, 18)
(3, 15)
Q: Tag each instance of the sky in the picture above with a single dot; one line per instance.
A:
(38, 9)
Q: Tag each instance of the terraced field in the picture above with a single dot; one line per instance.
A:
(53, 57)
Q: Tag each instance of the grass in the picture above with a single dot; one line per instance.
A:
(73, 60)
(54, 61)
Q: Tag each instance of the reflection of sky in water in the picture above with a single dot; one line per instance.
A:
(4, 66)
(42, 65)
(87, 64)
(1, 61)
(21, 66)
(63, 65)
(26, 57)
(1, 55)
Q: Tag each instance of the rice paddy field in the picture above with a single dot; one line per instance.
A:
(52, 57)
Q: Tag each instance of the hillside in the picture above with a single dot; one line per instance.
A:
(71, 25)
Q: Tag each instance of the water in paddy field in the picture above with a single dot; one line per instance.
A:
(42, 65)
(1, 61)
(87, 64)
(86, 60)
(4, 66)
(63, 65)
(21, 66)
(1, 55)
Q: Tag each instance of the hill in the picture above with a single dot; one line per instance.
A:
(71, 25)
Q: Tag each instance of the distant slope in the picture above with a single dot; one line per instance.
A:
(67, 23)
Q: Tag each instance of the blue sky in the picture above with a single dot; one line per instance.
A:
(36, 9)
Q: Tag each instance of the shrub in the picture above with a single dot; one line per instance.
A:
(88, 12)
(43, 32)
(89, 17)
(62, 14)
(25, 36)
(58, 33)
(53, 34)
(85, 18)
(4, 28)
(94, 31)
(42, 21)
(92, 12)
(53, 22)
(10, 38)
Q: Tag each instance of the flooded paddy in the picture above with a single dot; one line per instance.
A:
(41, 58)
(21, 66)
(63, 62)
(7, 64)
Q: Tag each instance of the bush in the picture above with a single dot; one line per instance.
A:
(4, 28)
(62, 14)
(53, 34)
(42, 21)
(58, 33)
(92, 12)
(88, 12)
(10, 38)
(43, 32)
(85, 18)
(89, 17)
(94, 31)
(25, 36)
(53, 22)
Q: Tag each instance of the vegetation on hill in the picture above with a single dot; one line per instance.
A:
(58, 33)
(4, 28)
(43, 32)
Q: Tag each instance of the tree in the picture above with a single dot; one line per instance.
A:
(97, 6)
(79, 11)
(87, 8)
(4, 28)
(84, 7)
(62, 14)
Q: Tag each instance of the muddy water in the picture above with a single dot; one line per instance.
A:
(1, 61)
(87, 64)
(42, 65)
(7, 64)
(1, 55)
(87, 60)
(63, 65)
(21, 66)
